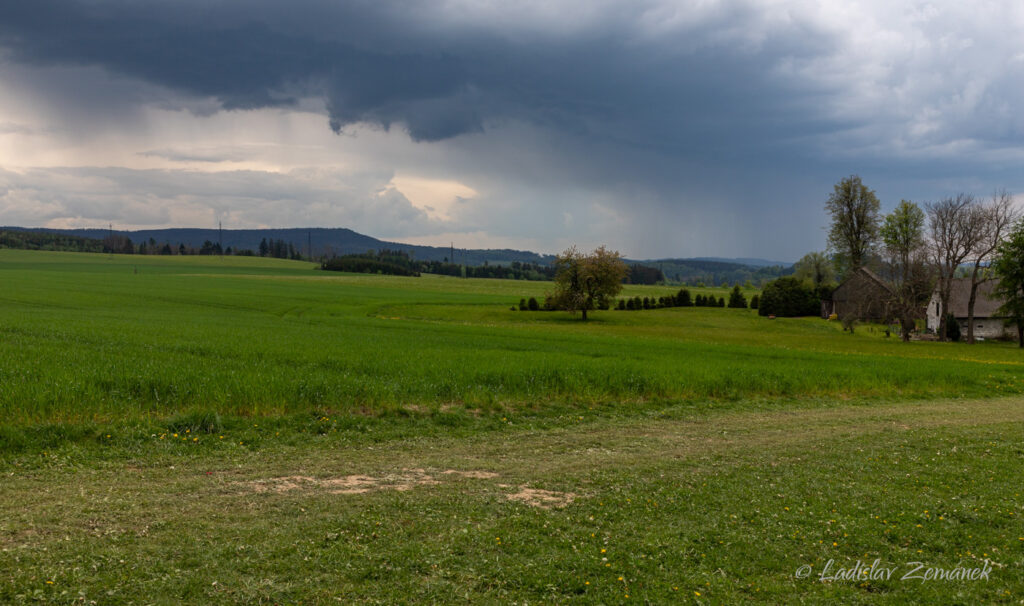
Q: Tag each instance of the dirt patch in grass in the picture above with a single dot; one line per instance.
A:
(544, 499)
(407, 479)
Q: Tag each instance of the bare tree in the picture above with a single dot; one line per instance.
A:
(994, 221)
(954, 232)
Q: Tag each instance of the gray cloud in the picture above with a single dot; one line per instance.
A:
(673, 127)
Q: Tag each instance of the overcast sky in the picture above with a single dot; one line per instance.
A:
(659, 128)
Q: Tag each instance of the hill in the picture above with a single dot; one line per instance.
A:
(703, 271)
(323, 241)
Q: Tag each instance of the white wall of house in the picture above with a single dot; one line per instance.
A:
(933, 315)
(986, 328)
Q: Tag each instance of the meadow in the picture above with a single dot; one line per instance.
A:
(245, 430)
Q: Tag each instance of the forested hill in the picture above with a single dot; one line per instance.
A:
(340, 241)
(325, 242)
(700, 271)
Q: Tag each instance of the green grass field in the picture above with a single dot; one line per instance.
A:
(247, 430)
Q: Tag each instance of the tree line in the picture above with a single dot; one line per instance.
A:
(585, 282)
(401, 263)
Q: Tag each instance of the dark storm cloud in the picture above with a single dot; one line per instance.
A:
(389, 65)
(696, 127)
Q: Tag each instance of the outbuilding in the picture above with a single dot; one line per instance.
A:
(864, 295)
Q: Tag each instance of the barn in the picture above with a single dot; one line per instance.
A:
(864, 295)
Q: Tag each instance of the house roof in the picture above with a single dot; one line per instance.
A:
(856, 278)
(984, 305)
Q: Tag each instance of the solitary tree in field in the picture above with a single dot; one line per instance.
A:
(854, 209)
(1009, 270)
(584, 282)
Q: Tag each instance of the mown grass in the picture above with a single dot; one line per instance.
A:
(95, 338)
(715, 508)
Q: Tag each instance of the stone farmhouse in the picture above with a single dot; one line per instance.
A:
(987, 324)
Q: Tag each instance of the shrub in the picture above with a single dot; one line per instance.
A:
(721, 301)
(736, 298)
(522, 304)
(683, 298)
(952, 328)
(532, 304)
(754, 301)
(788, 297)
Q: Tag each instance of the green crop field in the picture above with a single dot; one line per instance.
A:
(206, 429)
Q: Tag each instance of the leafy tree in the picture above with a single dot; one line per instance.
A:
(532, 304)
(907, 268)
(854, 209)
(1009, 270)
(736, 298)
(815, 268)
(583, 282)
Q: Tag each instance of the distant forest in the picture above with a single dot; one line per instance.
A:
(28, 240)
(332, 244)
(696, 272)
(400, 263)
